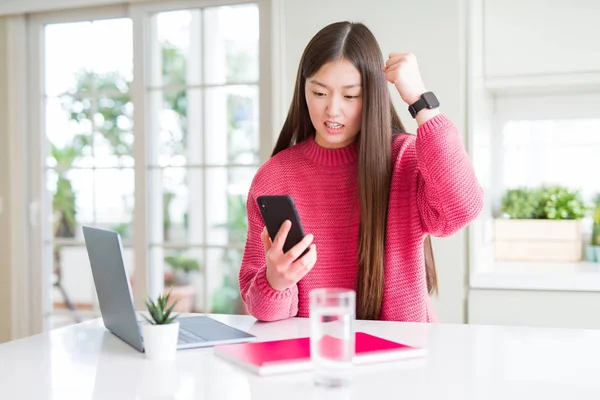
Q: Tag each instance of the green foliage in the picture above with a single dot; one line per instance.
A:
(113, 115)
(123, 230)
(63, 202)
(546, 202)
(237, 222)
(596, 209)
(226, 299)
(182, 263)
(521, 203)
(174, 71)
(167, 198)
(63, 205)
(596, 217)
(159, 313)
(596, 235)
(561, 203)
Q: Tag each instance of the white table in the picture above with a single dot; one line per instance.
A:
(85, 361)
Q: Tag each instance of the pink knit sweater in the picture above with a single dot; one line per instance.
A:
(433, 191)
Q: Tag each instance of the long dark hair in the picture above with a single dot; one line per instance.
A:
(355, 43)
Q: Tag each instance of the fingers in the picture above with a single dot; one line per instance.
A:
(303, 265)
(266, 240)
(393, 67)
(279, 240)
(298, 249)
(393, 64)
(396, 58)
(398, 54)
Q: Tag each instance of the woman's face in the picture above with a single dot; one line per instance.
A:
(334, 99)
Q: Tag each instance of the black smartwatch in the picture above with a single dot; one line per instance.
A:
(427, 100)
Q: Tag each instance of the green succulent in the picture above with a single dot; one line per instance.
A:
(546, 202)
(559, 202)
(161, 315)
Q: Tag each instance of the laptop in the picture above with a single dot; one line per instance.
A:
(104, 250)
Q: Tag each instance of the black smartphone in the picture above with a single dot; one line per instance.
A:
(275, 210)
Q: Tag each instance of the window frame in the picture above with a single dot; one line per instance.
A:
(271, 93)
(484, 271)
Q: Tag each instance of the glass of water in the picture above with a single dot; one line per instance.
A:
(332, 314)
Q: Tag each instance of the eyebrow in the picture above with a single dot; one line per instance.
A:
(327, 87)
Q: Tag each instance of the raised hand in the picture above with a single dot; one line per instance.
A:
(284, 270)
(402, 70)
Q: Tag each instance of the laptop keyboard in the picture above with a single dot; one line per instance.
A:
(189, 337)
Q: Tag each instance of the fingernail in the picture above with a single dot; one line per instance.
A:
(310, 236)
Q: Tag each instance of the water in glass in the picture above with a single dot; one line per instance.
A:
(332, 342)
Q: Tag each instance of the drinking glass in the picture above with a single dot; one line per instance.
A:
(332, 314)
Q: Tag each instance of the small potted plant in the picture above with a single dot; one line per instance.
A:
(161, 330)
(540, 224)
(593, 249)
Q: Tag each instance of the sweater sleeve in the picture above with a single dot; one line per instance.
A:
(448, 194)
(262, 301)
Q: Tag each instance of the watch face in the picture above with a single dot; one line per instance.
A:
(431, 100)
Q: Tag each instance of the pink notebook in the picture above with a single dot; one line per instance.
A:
(293, 355)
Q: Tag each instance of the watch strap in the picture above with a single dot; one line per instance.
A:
(427, 100)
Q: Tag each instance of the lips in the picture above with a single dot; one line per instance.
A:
(333, 127)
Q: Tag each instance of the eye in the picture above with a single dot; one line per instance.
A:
(319, 94)
(351, 97)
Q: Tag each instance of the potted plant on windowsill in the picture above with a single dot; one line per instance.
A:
(161, 330)
(179, 280)
(540, 224)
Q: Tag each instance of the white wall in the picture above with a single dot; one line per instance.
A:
(434, 31)
(541, 37)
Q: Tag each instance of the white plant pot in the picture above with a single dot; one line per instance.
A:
(160, 341)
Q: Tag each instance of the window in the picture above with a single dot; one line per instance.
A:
(535, 140)
(552, 151)
(87, 124)
(546, 139)
(161, 147)
(203, 106)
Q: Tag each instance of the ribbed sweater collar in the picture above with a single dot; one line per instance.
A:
(330, 157)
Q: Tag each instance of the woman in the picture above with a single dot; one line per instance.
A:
(368, 194)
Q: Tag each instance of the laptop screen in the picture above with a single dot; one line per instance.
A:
(112, 284)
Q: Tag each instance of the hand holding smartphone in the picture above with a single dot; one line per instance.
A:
(290, 254)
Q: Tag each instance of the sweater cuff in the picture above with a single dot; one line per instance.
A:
(265, 288)
(435, 125)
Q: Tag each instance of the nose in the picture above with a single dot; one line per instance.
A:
(333, 107)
